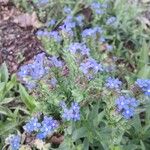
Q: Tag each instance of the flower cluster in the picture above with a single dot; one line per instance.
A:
(113, 83)
(98, 7)
(79, 48)
(72, 113)
(48, 126)
(92, 32)
(32, 125)
(79, 20)
(144, 84)
(43, 129)
(56, 62)
(111, 20)
(67, 10)
(68, 26)
(51, 23)
(14, 141)
(90, 67)
(52, 34)
(31, 73)
(126, 106)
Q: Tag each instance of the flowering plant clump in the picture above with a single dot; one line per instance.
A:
(88, 86)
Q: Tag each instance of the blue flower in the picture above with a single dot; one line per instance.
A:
(14, 141)
(91, 32)
(31, 73)
(48, 126)
(42, 2)
(111, 20)
(51, 23)
(95, 5)
(90, 67)
(144, 84)
(32, 125)
(55, 35)
(80, 19)
(68, 26)
(113, 83)
(67, 10)
(79, 48)
(56, 62)
(98, 8)
(72, 113)
(126, 106)
(53, 82)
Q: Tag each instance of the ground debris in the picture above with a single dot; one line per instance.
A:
(17, 44)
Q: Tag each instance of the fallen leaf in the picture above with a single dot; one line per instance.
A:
(26, 20)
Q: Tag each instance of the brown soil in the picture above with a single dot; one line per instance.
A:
(17, 44)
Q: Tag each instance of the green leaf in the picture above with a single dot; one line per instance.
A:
(27, 99)
(144, 72)
(7, 126)
(142, 145)
(10, 84)
(79, 133)
(78, 95)
(5, 111)
(4, 72)
(7, 100)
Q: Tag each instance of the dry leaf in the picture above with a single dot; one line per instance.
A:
(26, 20)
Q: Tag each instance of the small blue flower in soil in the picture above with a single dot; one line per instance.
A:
(48, 126)
(144, 84)
(113, 83)
(111, 20)
(72, 113)
(126, 106)
(90, 67)
(32, 125)
(79, 48)
(14, 142)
